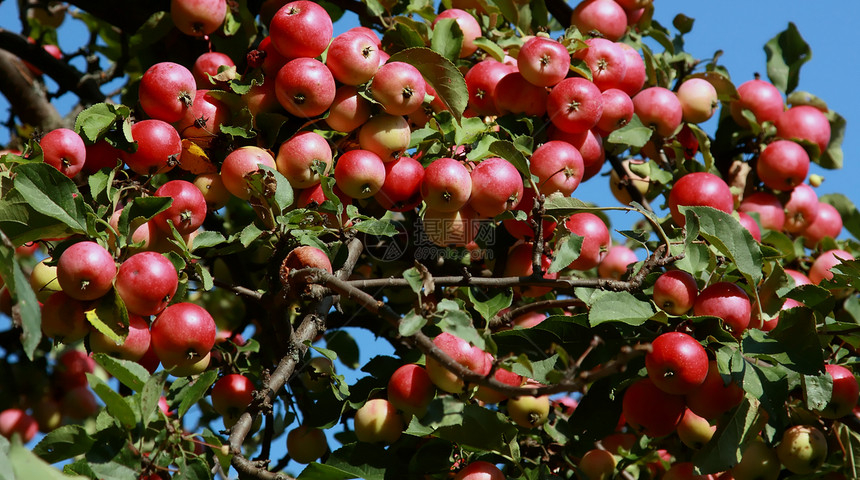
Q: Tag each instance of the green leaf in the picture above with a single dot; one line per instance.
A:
(491, 48)
(634, 134)
(619, 307)
(413, 278)
(65, 442)
(110, 317)
(728, 236)
(51, 193)
(683, 23)
(192, 469)
(249, 234)
(196, 389)
(725, 448)
(490, 303)
(560, 206)
(95, 121)
(27, 465)
(832, 157)
(441, 74)
(141, 208)
(817, 390)
(454, 320)
(566, 252)
(481, 429)
(786, 53)
(18, 284)
(849, 213)
(207, 239)
(512, 154)
(447, 39)
(114, 402)
(150, 394)
(469, 130)
(410, 324)
(345, 346)
(381, 227)
(355, 460)
(797, 336)
(131, 374)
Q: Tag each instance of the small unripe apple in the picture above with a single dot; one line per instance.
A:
(758, 462)
(378, 422)
(598, 464)
(316, 376)
(802, 450)
(695, 431)
(306, 444)
(529, 412)
(44, 281)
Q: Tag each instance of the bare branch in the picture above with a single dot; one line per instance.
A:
(25, 95)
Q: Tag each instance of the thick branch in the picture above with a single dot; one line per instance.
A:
(127, 16)
(560, 10)
(28, 101)
(66, 76)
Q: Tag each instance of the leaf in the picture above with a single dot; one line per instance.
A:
(378, 227)
(490, 47)
(193, 392)
(22, 294)
(728, 236)
(110, 317)
(447, 38)
(849, 213)
(95, 121)
(683, 23)
(410, 324)
(489, 303)
(560, 206)
(454, 320)
(414, 279)
(150, 394)
(141, 207)
(345, 346)
(725, 448)
(207, 239)
(131, 374)
(481, 429)
(786, 53)
(26, 465)
(114, 402)
(566, 252)
(619, 307)
(441, 74)
(832, 157)
(797, 336)
(817, 390)
(512, 154)
(355, 460)
(634, 134)
(65, 442)
(726, 91)
(51, 193)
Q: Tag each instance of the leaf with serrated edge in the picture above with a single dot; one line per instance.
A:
(195, 391)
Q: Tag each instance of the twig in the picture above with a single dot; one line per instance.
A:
(238, 289)
(506, 318)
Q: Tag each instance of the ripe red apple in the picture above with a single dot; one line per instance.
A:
(802, 450)
(231, 395)
(86, 271)
(207, 65)
(635, 74)
(64, 150)
(698, 100)
(301, 29)
(529, 412)
(181, 333)
(496, 186)
(299, 154)
(617, 110)
(660, 109)
(480, 470)
(166, 91)
(16, 421)
(675, 292)
(359, 173)
(598, 464)
(133, 348)
(411, 390)
(348, 110)
(64, 318)
(187, 211)
(770, 211)
(241, 162)
(146, 282)
(489, 395)
(714, 397)
(677, 363)
(198, 17)
(590, 146)
(468, 25)
(399, 87)
(575, 105)
(727, 301)
(759, 97)
(606, 60)
(306, 444)
(827, 223)
(158, 147)
(387, 136)
(783, 165)
(820, 269)
(202, 121)
(481, 81)
(684, 471)
(558, 166)
(801, 208)
(804, 122)
(515, 94)
(695, 431)
(463, 353)
(101, 155)
(750, 224)
(446, 186)
(522, 228)
(652, 411)
(614, 264)
(845, 392)
(377, 421)
(401, 190)
(543, 61)
(79, 403)
(699, 189)
(605, 16)
(353, 58)
(305, 87)
(799, 278)
(595, 239)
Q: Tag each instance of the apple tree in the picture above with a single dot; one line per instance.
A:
(189, 246)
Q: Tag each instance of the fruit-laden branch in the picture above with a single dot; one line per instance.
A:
(574, 380)
(66, 76)
(504, 319)
(310, 326)
(28, 101)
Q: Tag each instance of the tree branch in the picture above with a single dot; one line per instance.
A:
(127, 16)
(505, 318)
(27, 99)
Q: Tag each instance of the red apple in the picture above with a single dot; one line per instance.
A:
(695, 431)
(64, 150)
(241, 162)
(353, 58)
(399, 87)
(468, 25)
(558, 166)
(677, 363)
(820, 269)
(187, 211)
(410, 389)
(782, 165)
(158, 147)
(759, 97)
(183, 333)
(146, 282)
(652, 411)
(167, 90)
(401, 190)
(660, 109)
(480, 470)
(714, 397)
(386, 135)
(605, 16)
(496, 186)
(447, 185)
(804, 122)
(614, 265)
(595, 239)
(299, 154)
(827, 223)
(845, 392)
(359, 173)
(481, 81)
(231, 395)
(727, 301)
(801, 208)
(133, 348)
(86, 271)
(301, 29)
(675, 292)
(770, 211)
(514, 94)
(348, 110)
(305, 86)
(575, 105)
(16, 421)
(699, 189)
(461, 352)
(606, 60)
(543, 62)
(206, 66)
(698, 100)
(198, 17)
